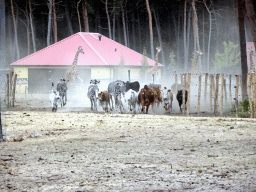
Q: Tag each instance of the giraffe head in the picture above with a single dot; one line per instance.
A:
(199, 52)
(158, 48)
(80, 49)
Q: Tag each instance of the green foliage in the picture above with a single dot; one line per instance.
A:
(245, 105)
(228, 57)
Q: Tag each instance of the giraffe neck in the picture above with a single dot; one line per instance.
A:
(74, 64)
(156, 59)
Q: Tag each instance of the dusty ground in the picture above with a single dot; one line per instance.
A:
(83, 151)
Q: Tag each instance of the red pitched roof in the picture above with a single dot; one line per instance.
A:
(96, 52)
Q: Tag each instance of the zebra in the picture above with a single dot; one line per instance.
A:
(92, 93)
(117, 89)
(54, 99)
(62, 89)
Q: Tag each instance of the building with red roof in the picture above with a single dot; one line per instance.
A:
(100, 60)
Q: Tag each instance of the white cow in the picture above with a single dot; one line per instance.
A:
(132, 98)
(54, 99)
(167, 99)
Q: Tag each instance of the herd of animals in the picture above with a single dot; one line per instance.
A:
(120, 92)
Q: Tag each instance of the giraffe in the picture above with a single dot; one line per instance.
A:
(72, 73)
(153, 70)
(252, 66)
(194, 66)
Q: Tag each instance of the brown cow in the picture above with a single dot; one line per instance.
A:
(104, 99)
(157, 95)
(146, 97)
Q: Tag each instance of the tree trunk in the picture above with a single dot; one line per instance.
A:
(15, 31)
(124, 28)
(32, 27)
(85, 17)
(109, 23)
(55, 29)
(139, 32)
(28, 31)
(133, 31)
(185, 35)
(178, 39)
(210, 33)
(78, 15)
(244, 68)
(250, 11)
(127, 27)
(188, 37)
(114, 26)
(150, 30)
(195, 25)
(159, 36)
(70, 29)
(49, 23)
(119, 30)
(177, 32)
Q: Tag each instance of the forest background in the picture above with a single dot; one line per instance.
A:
(180, 27)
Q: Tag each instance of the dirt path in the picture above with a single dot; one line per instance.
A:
(66, 151)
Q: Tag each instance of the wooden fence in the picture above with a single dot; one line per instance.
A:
(219, 91)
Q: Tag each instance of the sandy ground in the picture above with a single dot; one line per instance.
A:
(84, 151)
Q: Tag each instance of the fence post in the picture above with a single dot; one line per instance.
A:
(211, 82)
(230, 95)
(188, 88)
(11, 88)
(216, 94)
(199, 94)
(236, 94)
(221, 93)
(183, 94)
(7, 90)
(225, 90)
(205, 85)
(176, 83)
(14, 88)
(249, 94)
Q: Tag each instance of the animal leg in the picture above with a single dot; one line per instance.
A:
(147, 109)
(95, 104)
(91, 104)
(111, 102)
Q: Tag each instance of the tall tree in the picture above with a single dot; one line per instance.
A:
(250, 11)
(15, 31)
(85, 16)
(70, 28)
(55, 29)
(78, 15)
(49, 22)
(210, 33)
(159, 35)
(124, 26)
(109, 22)
(244, 68)
(185, 34)
(32, 26)
(150, 30)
